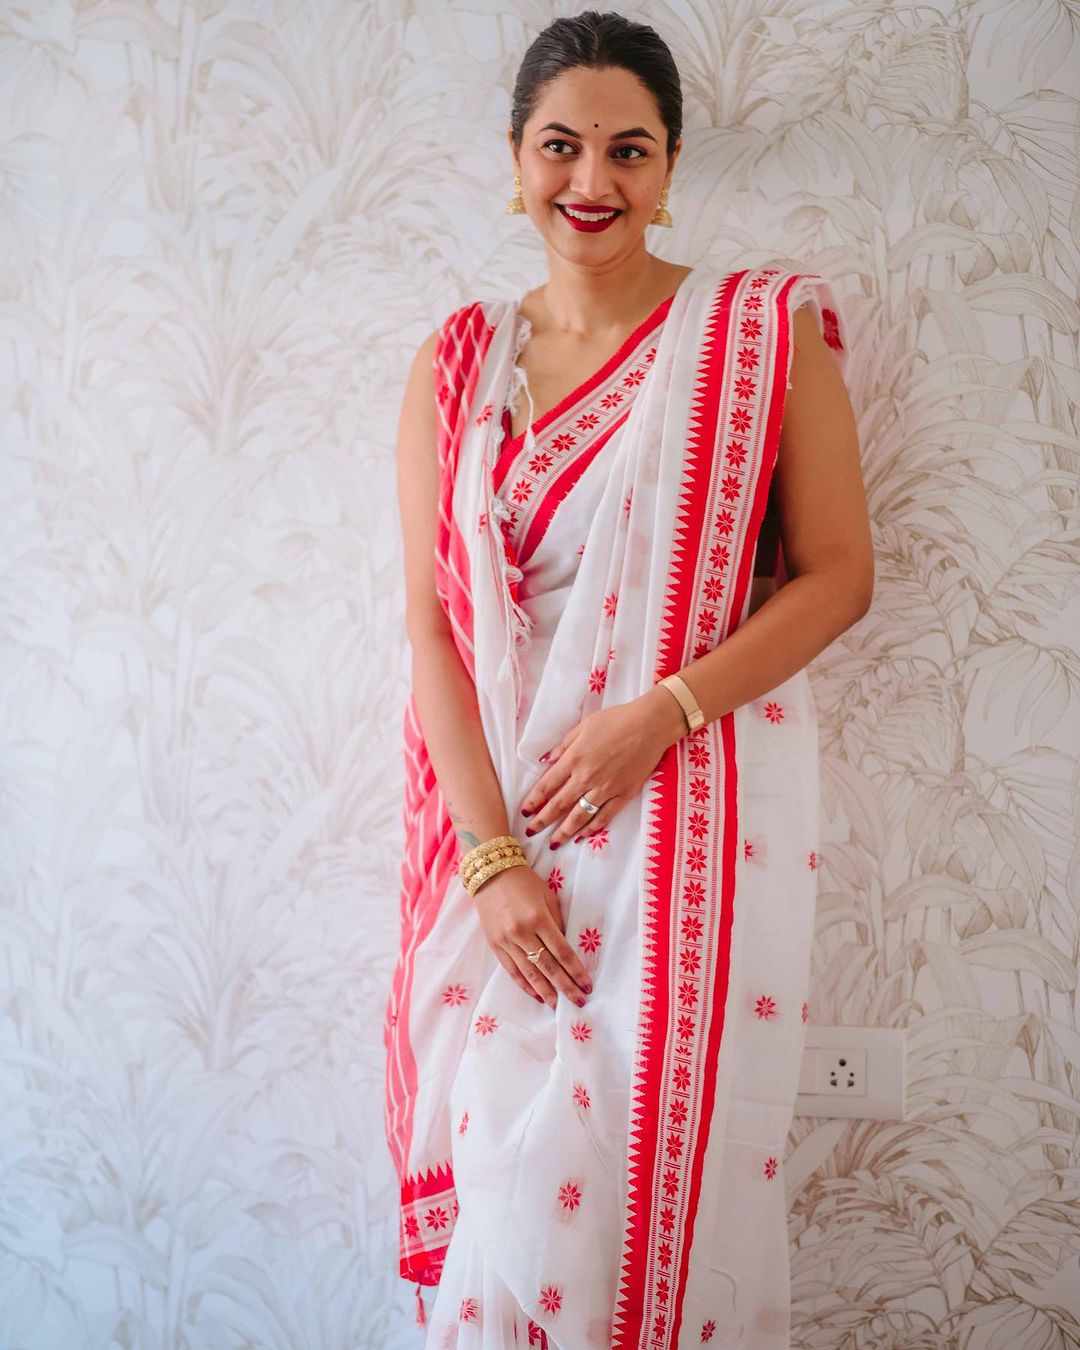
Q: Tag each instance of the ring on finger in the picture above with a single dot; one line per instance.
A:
(535, 956)
(587, 806)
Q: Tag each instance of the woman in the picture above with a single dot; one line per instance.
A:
(592, 1060)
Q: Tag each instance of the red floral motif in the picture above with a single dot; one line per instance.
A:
(551, 1298)
(581, 1096)
(581, 1031)
(696, 859)
(555, 879)
(747, 357)
(455, 995)
(690, 961)
(650, 355)
(589, 939)
(437, 1218)
(464, 1123)
(730, 487)
(725, 522)
(748, 849)
(483, 522)
(750, 329)
(736, 455)
(752, 301)
(521, 490)
(805, 1011)
(599, 841)
(762, 279)
(611, 654)
(684, 1029)
(707, 1329)
(766, 1007)
(597, 679)
(699, 789)
(667, 1219)
(663, 1253)
(677, 1113)
(443, 392)
(706, 621)
(659, 1326)
(485, 414)
(611, 400)
(569, 1195)
(745, 386)
(486, 1024)
(412, 1226)
(581, 550)
(541, 463)
(831, 329)
(627, 500)
(714, 589)
(587, 421)
(698, 824)
(633, 377)
(770, 1168)
(537, 1335)
(699, 754)
(774, 712)
(692, 928)
(740, 421)
(688, 994)
(564, 441)
(719, 556)
(813, 861)
(671, 1182)
(610, 602)
(469, 1309)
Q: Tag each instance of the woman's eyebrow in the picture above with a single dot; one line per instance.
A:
(619, 135)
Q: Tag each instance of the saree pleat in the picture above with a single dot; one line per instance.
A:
(612, 1175)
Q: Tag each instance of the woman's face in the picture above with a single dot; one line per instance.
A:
(587, 160)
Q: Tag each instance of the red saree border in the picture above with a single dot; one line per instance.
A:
(681, 1016)
(584, 390)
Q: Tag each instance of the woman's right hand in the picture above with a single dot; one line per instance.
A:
(519, 913)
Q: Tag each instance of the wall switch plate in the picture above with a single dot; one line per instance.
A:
(854, 1072)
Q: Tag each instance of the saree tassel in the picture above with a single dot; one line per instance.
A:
(421, 1315)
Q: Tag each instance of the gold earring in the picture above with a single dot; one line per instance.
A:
(516, 206)
(661, 216)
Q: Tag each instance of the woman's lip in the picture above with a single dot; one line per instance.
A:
(590, 226)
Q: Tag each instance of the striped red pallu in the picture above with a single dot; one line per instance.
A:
(612, 1176)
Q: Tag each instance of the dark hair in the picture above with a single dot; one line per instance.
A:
(599, 41)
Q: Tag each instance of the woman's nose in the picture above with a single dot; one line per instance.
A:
(592, 178)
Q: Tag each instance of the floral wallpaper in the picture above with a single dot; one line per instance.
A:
(225, 227)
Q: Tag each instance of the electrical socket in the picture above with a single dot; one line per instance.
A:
(853, 1072)
(841, 1073)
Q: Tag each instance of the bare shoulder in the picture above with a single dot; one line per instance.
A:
(418, 491)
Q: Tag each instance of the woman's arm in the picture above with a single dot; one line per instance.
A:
(828, 554)
(518, 911)
(825, 532)
(444, 693)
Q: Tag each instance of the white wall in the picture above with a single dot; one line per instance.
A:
(226, 226)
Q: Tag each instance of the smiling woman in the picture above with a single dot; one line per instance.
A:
(592, 1060)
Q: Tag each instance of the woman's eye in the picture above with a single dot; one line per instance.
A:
(638, 152)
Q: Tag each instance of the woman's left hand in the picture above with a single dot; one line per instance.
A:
(608, 756)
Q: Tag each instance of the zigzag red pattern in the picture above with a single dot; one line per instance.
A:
(682, 1016)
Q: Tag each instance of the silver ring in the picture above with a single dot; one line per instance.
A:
(587, 805)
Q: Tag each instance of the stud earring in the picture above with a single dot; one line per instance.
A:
(661, 216)
(516, 205)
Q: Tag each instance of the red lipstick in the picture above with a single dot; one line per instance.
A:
(593, 226)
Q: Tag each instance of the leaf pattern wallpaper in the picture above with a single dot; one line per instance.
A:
(225, 227)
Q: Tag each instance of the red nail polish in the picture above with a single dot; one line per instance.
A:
(555, 844)
(525, 813)
(579, 839)
(529, 834)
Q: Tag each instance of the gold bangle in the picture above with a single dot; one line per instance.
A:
(676, 685)
(502, 846)
(492, 869)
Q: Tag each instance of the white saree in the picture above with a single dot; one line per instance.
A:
(612, 1176)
